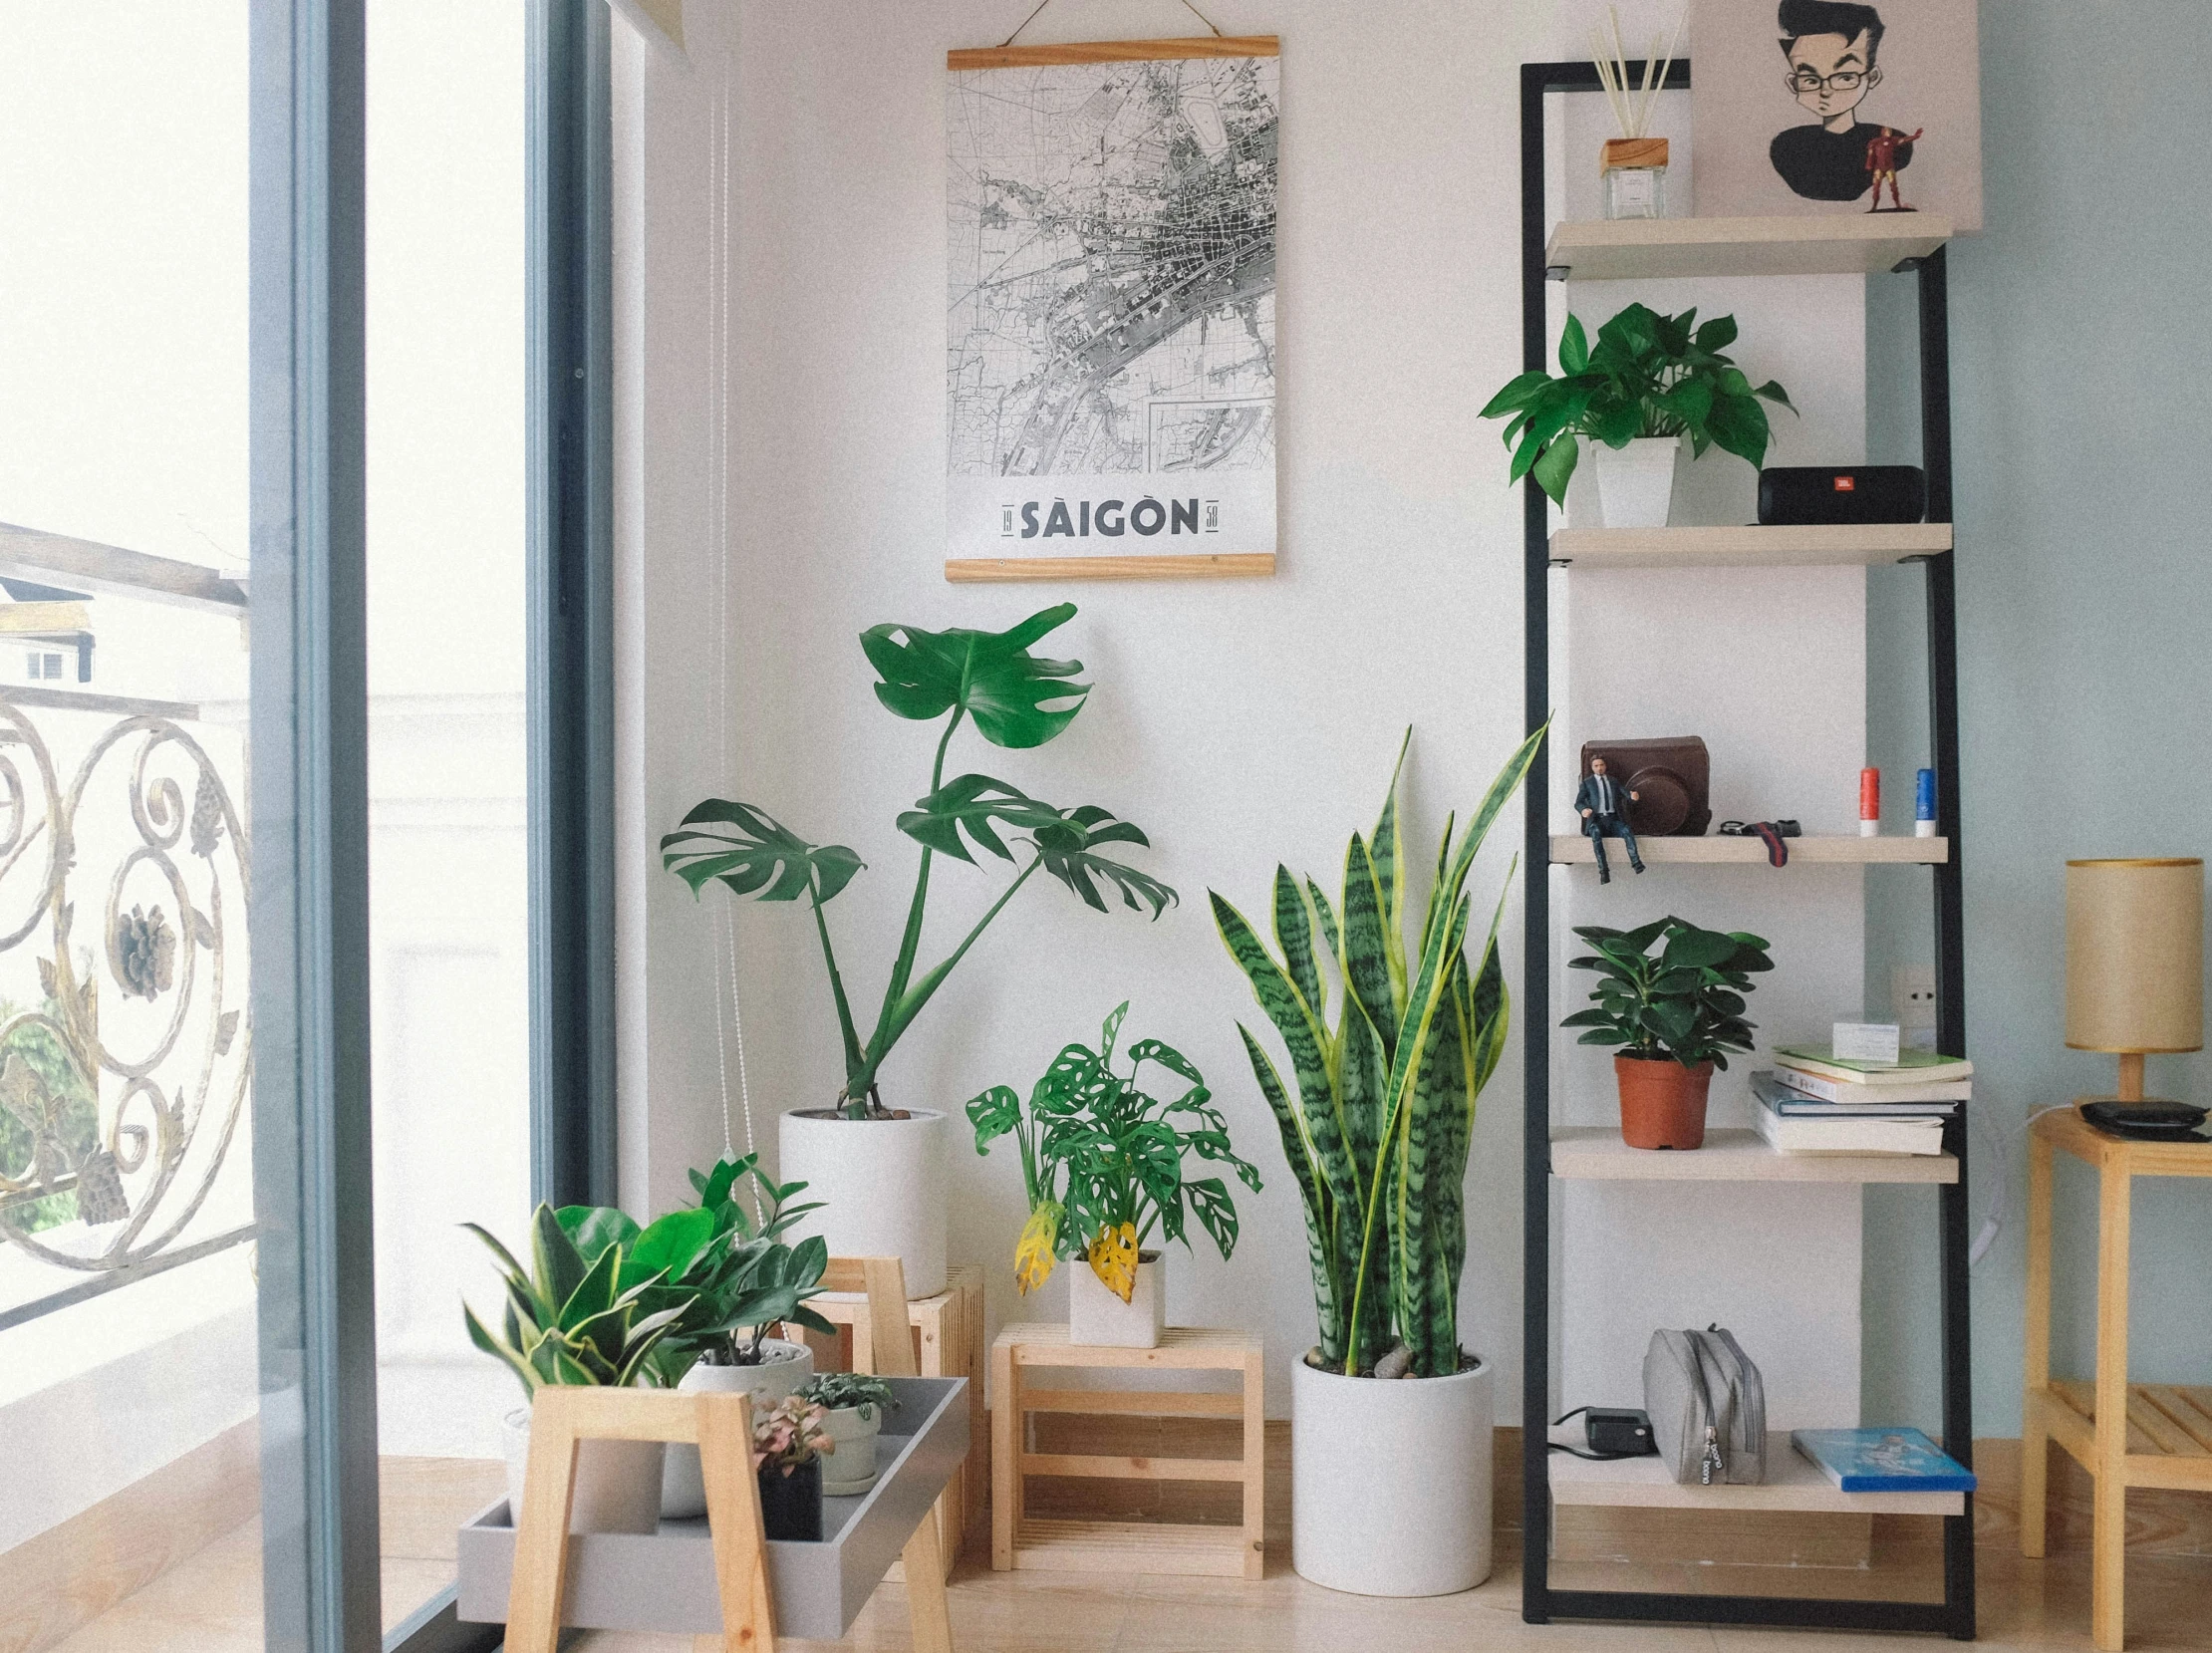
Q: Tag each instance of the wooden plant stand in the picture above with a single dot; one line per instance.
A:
(947, 1338)
(1018, 1541)
(2126, 1435)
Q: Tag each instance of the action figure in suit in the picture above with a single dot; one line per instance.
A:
(1603, 802)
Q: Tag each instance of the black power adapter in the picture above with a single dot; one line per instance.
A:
(1613, 1432)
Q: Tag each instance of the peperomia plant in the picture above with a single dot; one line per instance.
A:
(1685, 1003)
(1378, 1127)
(1102, 1159)
(853, 1391)
(1013, 698)
(1648, 375)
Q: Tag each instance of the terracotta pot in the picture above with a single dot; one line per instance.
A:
(1662, 1103)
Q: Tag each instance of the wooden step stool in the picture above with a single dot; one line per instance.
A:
(1016, 1540)
(947, 1337)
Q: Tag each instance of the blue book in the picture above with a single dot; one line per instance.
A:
(1882, 1460)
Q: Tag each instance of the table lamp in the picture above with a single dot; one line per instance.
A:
(2134, 961)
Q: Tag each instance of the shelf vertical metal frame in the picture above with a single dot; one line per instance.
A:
(1540, 1602)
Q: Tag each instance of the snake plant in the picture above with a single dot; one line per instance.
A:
(1378, 1124)
(1014, 699)
(572, 1321)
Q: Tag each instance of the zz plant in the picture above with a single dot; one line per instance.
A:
(1102, 1159)
(1014, 699)
(1683, 1004)
(1648, 375)
(1378, 1116)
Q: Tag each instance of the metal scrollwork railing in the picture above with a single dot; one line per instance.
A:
(125, 1062)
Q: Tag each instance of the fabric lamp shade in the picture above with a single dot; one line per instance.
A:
(2135, 955)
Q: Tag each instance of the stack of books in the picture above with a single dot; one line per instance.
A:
(1814, 1102)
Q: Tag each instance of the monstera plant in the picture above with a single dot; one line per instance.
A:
(1012, 699)
(1377, 1118)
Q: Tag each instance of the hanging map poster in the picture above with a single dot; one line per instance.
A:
(1110, 374)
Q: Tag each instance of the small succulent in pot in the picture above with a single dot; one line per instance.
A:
(854, 1391)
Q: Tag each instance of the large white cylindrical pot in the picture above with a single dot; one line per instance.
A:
(783, 1370)
(618, 1482)
(1635, 484)
(1390, 1481)
(1098, 1318)
(882, 1184)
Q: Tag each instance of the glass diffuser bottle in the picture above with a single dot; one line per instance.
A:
(1634, 172)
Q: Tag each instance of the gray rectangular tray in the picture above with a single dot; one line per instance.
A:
(665, 1581)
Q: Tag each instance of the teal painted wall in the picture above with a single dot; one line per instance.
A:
(2081, 364)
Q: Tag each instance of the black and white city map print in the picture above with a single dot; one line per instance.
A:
(1111, 340)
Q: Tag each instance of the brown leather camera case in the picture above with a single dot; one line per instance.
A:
(1673, 774)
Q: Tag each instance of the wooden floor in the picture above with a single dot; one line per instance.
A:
(211, 1603)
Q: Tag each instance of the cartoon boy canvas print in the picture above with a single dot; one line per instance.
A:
(1831, 50)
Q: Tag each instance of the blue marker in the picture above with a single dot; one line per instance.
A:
(1923, 804)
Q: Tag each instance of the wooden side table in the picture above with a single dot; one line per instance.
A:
(948, 1335)
(2141, 1435)
(1126, 1547)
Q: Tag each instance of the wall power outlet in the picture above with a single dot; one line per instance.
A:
(1912, 997)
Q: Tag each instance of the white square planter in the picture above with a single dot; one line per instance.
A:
(1635, 484)
(1099, 1318)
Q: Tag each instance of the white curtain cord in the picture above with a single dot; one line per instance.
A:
(1041, 4)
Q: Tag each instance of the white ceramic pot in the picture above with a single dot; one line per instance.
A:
(1635, 484)
(1390, 1481)
(783, 1370)
(1096, 1318)
(851, 1468)
(618, 1482)
(882, 1184)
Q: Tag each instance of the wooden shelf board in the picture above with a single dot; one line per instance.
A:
(1196, 565)
(1793, 1484)
(1572, 849)
(1865, 546)
(1623, 249)
(1125, 1548)
(1585, 1153)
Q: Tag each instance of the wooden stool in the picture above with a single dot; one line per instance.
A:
(947, 1340)
(1126, 1547)
(722, 1427)
(2144, 1435)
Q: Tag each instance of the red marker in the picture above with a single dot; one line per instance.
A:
(1870, 803)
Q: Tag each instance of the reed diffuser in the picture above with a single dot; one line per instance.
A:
(1632, 167)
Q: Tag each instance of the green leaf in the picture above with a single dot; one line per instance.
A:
(593, 1229)
(557, 1266)
(1067, 849)
(669, 1245)
(1717, 334)
(995, 1111)
(761, 857)
(1216, 1211)
(972, 803)
(1556, 467)
(1016, 698)
(1574, 346)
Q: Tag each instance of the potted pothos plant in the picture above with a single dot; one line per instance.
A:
(853, 1405)
(1102, 1164)
(1673, 1015)
(1390, 1481)
(881, 1170)
(580, 1318)
(1648, 383)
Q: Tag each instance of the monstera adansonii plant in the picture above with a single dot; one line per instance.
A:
(1013, 698)
(1377, 1121)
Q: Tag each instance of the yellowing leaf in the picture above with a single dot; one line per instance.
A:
(1113, 1257)
(1040, 1237)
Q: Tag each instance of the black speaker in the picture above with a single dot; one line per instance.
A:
(1805, 494)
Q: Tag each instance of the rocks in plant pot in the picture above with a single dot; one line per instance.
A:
(618, 1482)
(1635, 484)
(1662, 1103)
(791, 1502)
(882, 1187)
(1390, 1481)
(783, 1370)
(1096, 1315)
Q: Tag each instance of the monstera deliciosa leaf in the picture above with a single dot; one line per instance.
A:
(990, 675)
(1014, 699)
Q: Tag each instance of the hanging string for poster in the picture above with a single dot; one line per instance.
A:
(1041, 4)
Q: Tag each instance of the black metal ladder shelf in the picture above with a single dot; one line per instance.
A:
(1540, 1602)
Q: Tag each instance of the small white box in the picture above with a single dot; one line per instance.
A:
(1867, 1041)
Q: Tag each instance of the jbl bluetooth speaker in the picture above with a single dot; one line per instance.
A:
(1799, 495)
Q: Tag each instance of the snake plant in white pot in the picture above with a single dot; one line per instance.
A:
(1390, 1479)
